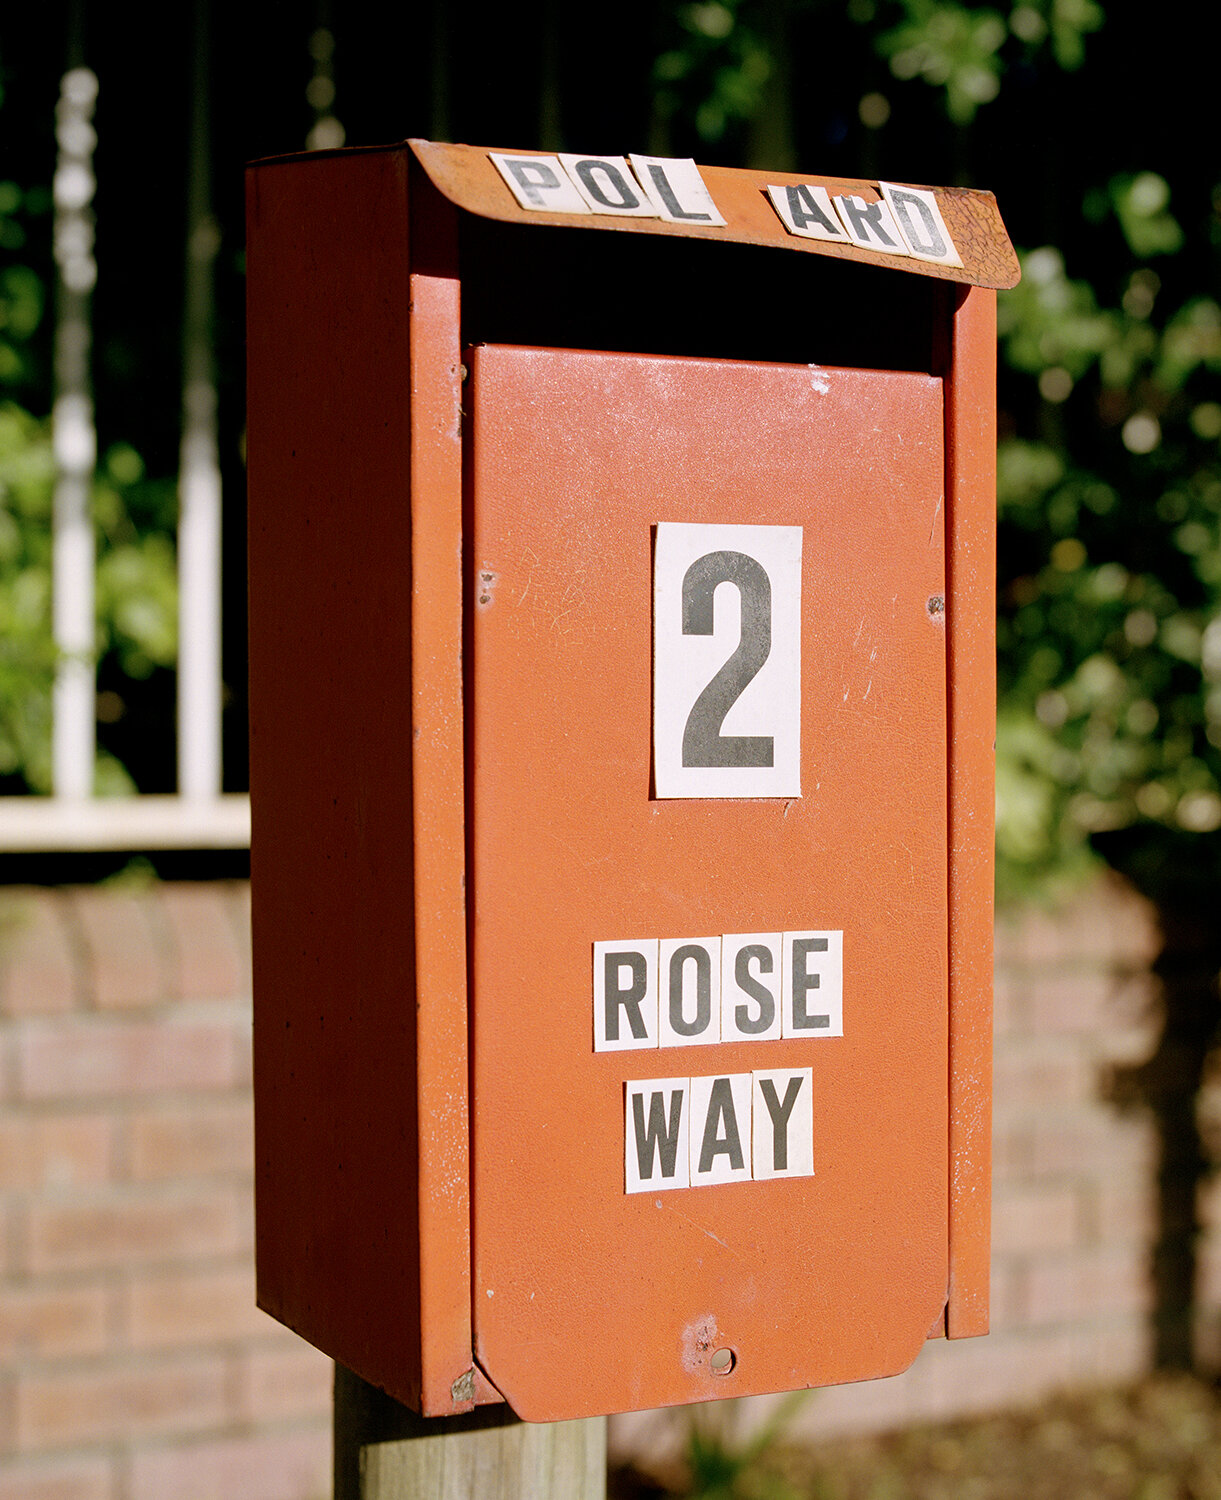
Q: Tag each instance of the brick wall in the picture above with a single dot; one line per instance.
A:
(133, 1364)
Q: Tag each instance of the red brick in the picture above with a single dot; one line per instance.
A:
(39, 966)
(133, 1226)
(1003, 1370)
(1208, 1109)
(95, 1058)
(54, 1150)
(58, 1479)
(245, 1049)
(1208, 1203)
(1073, 1003)
(1042, 1074)
(659, 1438)
(41, 1324)
(1208, 1273)
(1012, 1145)
(278, 1384)
(1038, 1217)
(123, 951)
(239, 896)
(1106, 921)
(1008, 1004)
(110, 1402)
(1136, 1000)
(292, 1466)
(1122, 1211)
(1007, 1299)
(197, 1307)
(1091, 921)
(1060, 1313)
(198, 1140)
(1111, 1352)
(1042, 938)
(1068, 1288)
(1009, 939)
(1207, 1343)
(1133, 938)
(206, 962)
(1130, 1037)
(1091, 1141)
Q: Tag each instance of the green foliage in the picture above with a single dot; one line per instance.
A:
(136, 589)
(1109, 471)
(962, 49)
(1049, 322)
(951, 47)
(720, 1469)
(1141, 204)
(1110, 624)
(27, 656)
(716, 68)
(21, 301)
(1109, 489)
(136, 586)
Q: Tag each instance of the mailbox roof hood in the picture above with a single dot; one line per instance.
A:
(467, 177)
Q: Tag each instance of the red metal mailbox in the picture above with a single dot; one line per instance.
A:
(621, 769)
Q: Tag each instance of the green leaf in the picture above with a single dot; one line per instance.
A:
(951, 47)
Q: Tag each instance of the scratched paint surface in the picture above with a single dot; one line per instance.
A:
(586, 1298)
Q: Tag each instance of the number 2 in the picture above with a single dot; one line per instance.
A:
(726, 680)
(703, 742)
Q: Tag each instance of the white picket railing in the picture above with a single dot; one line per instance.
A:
(199, 816)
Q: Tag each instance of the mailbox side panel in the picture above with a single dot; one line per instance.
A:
(970, 418)
(352, 729)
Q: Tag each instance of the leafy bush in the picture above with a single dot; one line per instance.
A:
(136, 586)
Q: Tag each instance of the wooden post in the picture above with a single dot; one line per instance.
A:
(383, 1451)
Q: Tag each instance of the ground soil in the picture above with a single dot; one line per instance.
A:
(1159, 1440)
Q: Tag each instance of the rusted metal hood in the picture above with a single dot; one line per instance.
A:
(467, 177)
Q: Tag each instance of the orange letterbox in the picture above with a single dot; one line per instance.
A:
(621, 598)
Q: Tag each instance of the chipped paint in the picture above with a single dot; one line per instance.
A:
(933, 533)
(699, 1339)
(487, 580)
(818, 380)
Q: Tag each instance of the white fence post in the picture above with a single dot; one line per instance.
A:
(75, 443)
(199, 485)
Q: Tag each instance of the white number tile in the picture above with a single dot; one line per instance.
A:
(608, 186)
(657, 1135)
(625, 995)
(731, 1127)
(689, 991)
(721, 1129)
(539, 183)
(813, 984)
(783, 1110)
(751, 986)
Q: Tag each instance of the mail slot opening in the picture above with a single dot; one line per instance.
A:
(569, 288)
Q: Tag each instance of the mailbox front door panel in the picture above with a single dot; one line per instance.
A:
(589, 1297)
